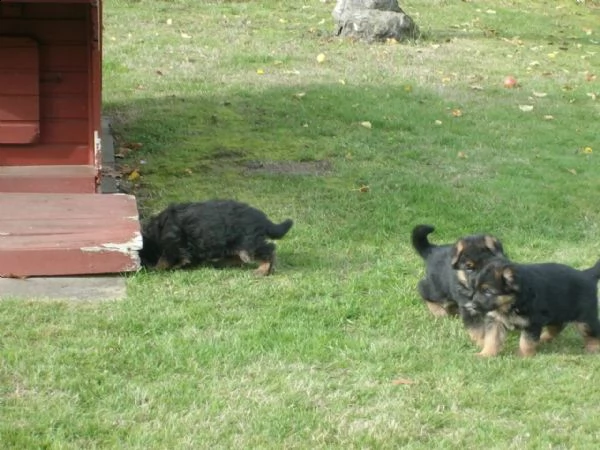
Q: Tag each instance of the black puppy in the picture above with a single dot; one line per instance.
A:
(529, 297)
(215, 230)
(450, 274)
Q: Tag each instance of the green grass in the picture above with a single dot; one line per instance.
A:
(308, 358)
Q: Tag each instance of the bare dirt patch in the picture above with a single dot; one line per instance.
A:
(320, 167)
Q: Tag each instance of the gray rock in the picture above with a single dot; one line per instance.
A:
(373, 20)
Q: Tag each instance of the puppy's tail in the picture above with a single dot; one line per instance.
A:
(277, 231)
(594, 271)
(420, 241)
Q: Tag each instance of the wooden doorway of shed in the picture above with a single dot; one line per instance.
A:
(19, 90)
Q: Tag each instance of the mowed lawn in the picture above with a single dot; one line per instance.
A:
(336, 350)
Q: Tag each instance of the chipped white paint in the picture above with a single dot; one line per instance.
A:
(129, 248)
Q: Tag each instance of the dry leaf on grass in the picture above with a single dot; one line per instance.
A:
(366, 124)
(402, 381)
(134, 175)
(526, 108)
(321, 58)
(456, 113)
(13, 276)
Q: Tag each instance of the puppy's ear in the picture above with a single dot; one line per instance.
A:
(459, 247)
(493, 244)
(509, 277)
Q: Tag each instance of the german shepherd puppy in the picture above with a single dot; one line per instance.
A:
(450, 275)
(529, 297)
(212, 231)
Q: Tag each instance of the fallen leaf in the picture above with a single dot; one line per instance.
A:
(188, 171)
(299, 95)
(592, 95)
(402, 381)
(133, 145)
(342, 81)
(260, 71)
(438, 122)
(462, 155)
(539, 94)
(590, 76)
(572, 171)
(477, 87)
(552, 55)
(587, 150)
(367, 124)
(456, 112)
(362, 188)
(169, 21)
(526, 108)
(321, 58)
(158, 72)
(135, 175)
(408, 88)
(14, 276)
(391, 41)
(548, 117)
(185, 36)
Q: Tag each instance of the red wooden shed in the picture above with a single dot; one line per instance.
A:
(54, 219)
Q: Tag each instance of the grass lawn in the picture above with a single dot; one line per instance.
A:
(336, 350)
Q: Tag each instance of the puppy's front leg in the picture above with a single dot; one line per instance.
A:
(528, 342)
(495, 334)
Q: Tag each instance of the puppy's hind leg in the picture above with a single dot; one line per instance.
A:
(549, 332)
(265, 254)
(437, 308)
(590, 330)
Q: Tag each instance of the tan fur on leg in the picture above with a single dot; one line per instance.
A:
(550, 332)
(495, 334)
(437, 309)
(527, 346)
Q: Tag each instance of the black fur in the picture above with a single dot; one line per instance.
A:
(214, 230)
(530, 297)
(451, 269)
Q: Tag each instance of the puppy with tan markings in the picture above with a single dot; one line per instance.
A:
(214, 231)
(537, 299)
(450, 275)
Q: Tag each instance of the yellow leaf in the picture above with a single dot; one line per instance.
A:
(462, 155)
(572, 171)
(407, 88)
(342, 81)
(539, 94)
(526, 108)
(321, 57)
(366, 124)
(548, 117)
(169, 21)
(587, 150)
(456, 112)
(438, 122)
(135, 175)
(185, 36)
(260, 71)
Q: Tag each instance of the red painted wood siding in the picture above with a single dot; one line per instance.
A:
(19, 91)
(67, 115)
